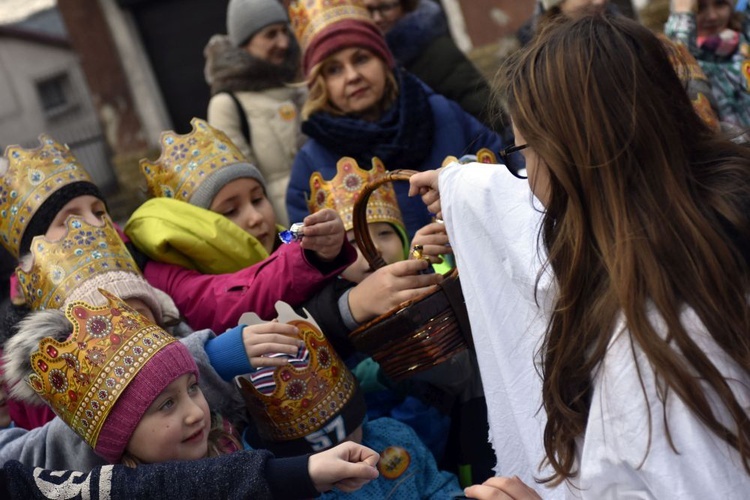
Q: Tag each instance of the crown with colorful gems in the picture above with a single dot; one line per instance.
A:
(304, 398)
(341, 192)
(310, 17)
(61, 266)
(187, 160)
(28, 177)
(82, 378)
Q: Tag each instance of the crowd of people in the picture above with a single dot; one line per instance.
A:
(598, 217)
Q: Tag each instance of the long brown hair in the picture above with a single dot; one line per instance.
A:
(647, 210)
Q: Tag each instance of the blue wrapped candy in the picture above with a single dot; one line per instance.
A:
(294, 233)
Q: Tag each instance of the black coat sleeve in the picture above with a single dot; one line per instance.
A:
(246, 474)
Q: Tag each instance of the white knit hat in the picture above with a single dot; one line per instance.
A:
(126, 285)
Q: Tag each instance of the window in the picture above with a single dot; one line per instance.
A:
(53, 92)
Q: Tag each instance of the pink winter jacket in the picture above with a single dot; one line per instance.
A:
(217, 301)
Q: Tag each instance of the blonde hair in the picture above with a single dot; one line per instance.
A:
(222, 440)
(318, 98)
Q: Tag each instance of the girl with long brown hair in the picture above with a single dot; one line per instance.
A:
(646, 356)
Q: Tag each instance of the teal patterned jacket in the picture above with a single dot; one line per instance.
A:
(729, 75)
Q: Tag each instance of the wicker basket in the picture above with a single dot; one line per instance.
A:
(417, 334)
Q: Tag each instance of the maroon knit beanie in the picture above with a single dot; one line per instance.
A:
(167, 365)
(344, 34)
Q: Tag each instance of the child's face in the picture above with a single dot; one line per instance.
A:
(90, 208)
(141, 307)
(387, 242)
(175, 426)
(713, 16)
(244, 202)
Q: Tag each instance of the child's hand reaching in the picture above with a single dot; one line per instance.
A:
(270, 338)
(324, 234)
(388, 287)
(348, 467)
(434, 241)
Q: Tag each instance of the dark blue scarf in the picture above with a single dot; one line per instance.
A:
(401, 138)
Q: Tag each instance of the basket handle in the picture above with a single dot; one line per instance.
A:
(359, 216)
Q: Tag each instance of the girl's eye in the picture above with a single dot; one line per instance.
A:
(229, 213)
(257, 201)
(194, 389)
(361, 58)
(166, 405)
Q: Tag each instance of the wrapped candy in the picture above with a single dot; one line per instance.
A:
(294, 233)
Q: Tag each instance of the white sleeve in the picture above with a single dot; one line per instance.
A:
(493, 226)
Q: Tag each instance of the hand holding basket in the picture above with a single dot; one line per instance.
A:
(417, 334)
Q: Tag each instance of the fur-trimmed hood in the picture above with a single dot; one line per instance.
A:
(19, 348)
(413, 32)
(232, 69)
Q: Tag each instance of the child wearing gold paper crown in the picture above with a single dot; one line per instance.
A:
(40, 187)
(130, 390)
(454, 386)
(314, 404)
(90, 258)
(210, 214)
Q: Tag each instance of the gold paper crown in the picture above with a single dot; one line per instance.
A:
(31, 176)
(310, 17)
(304, 399)
(82, 378)
(346, 187)
(61, 266)
(187, 160)
(484, 155)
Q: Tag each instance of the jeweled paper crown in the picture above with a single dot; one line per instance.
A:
(82, 378)
(304, 399)
(61, 266)
(346, 187)
(310, 17)
(486, 155)
(28, 177)
(187, 160)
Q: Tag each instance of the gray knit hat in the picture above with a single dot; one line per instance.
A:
(247, 17)
(204, 195)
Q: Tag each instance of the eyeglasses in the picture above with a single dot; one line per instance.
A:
(383, 8)
(514, 160)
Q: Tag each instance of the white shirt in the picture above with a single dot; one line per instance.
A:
(493, 223)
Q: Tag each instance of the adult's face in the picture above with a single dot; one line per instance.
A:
(385, 13)
(270, 44)
(356, 80)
